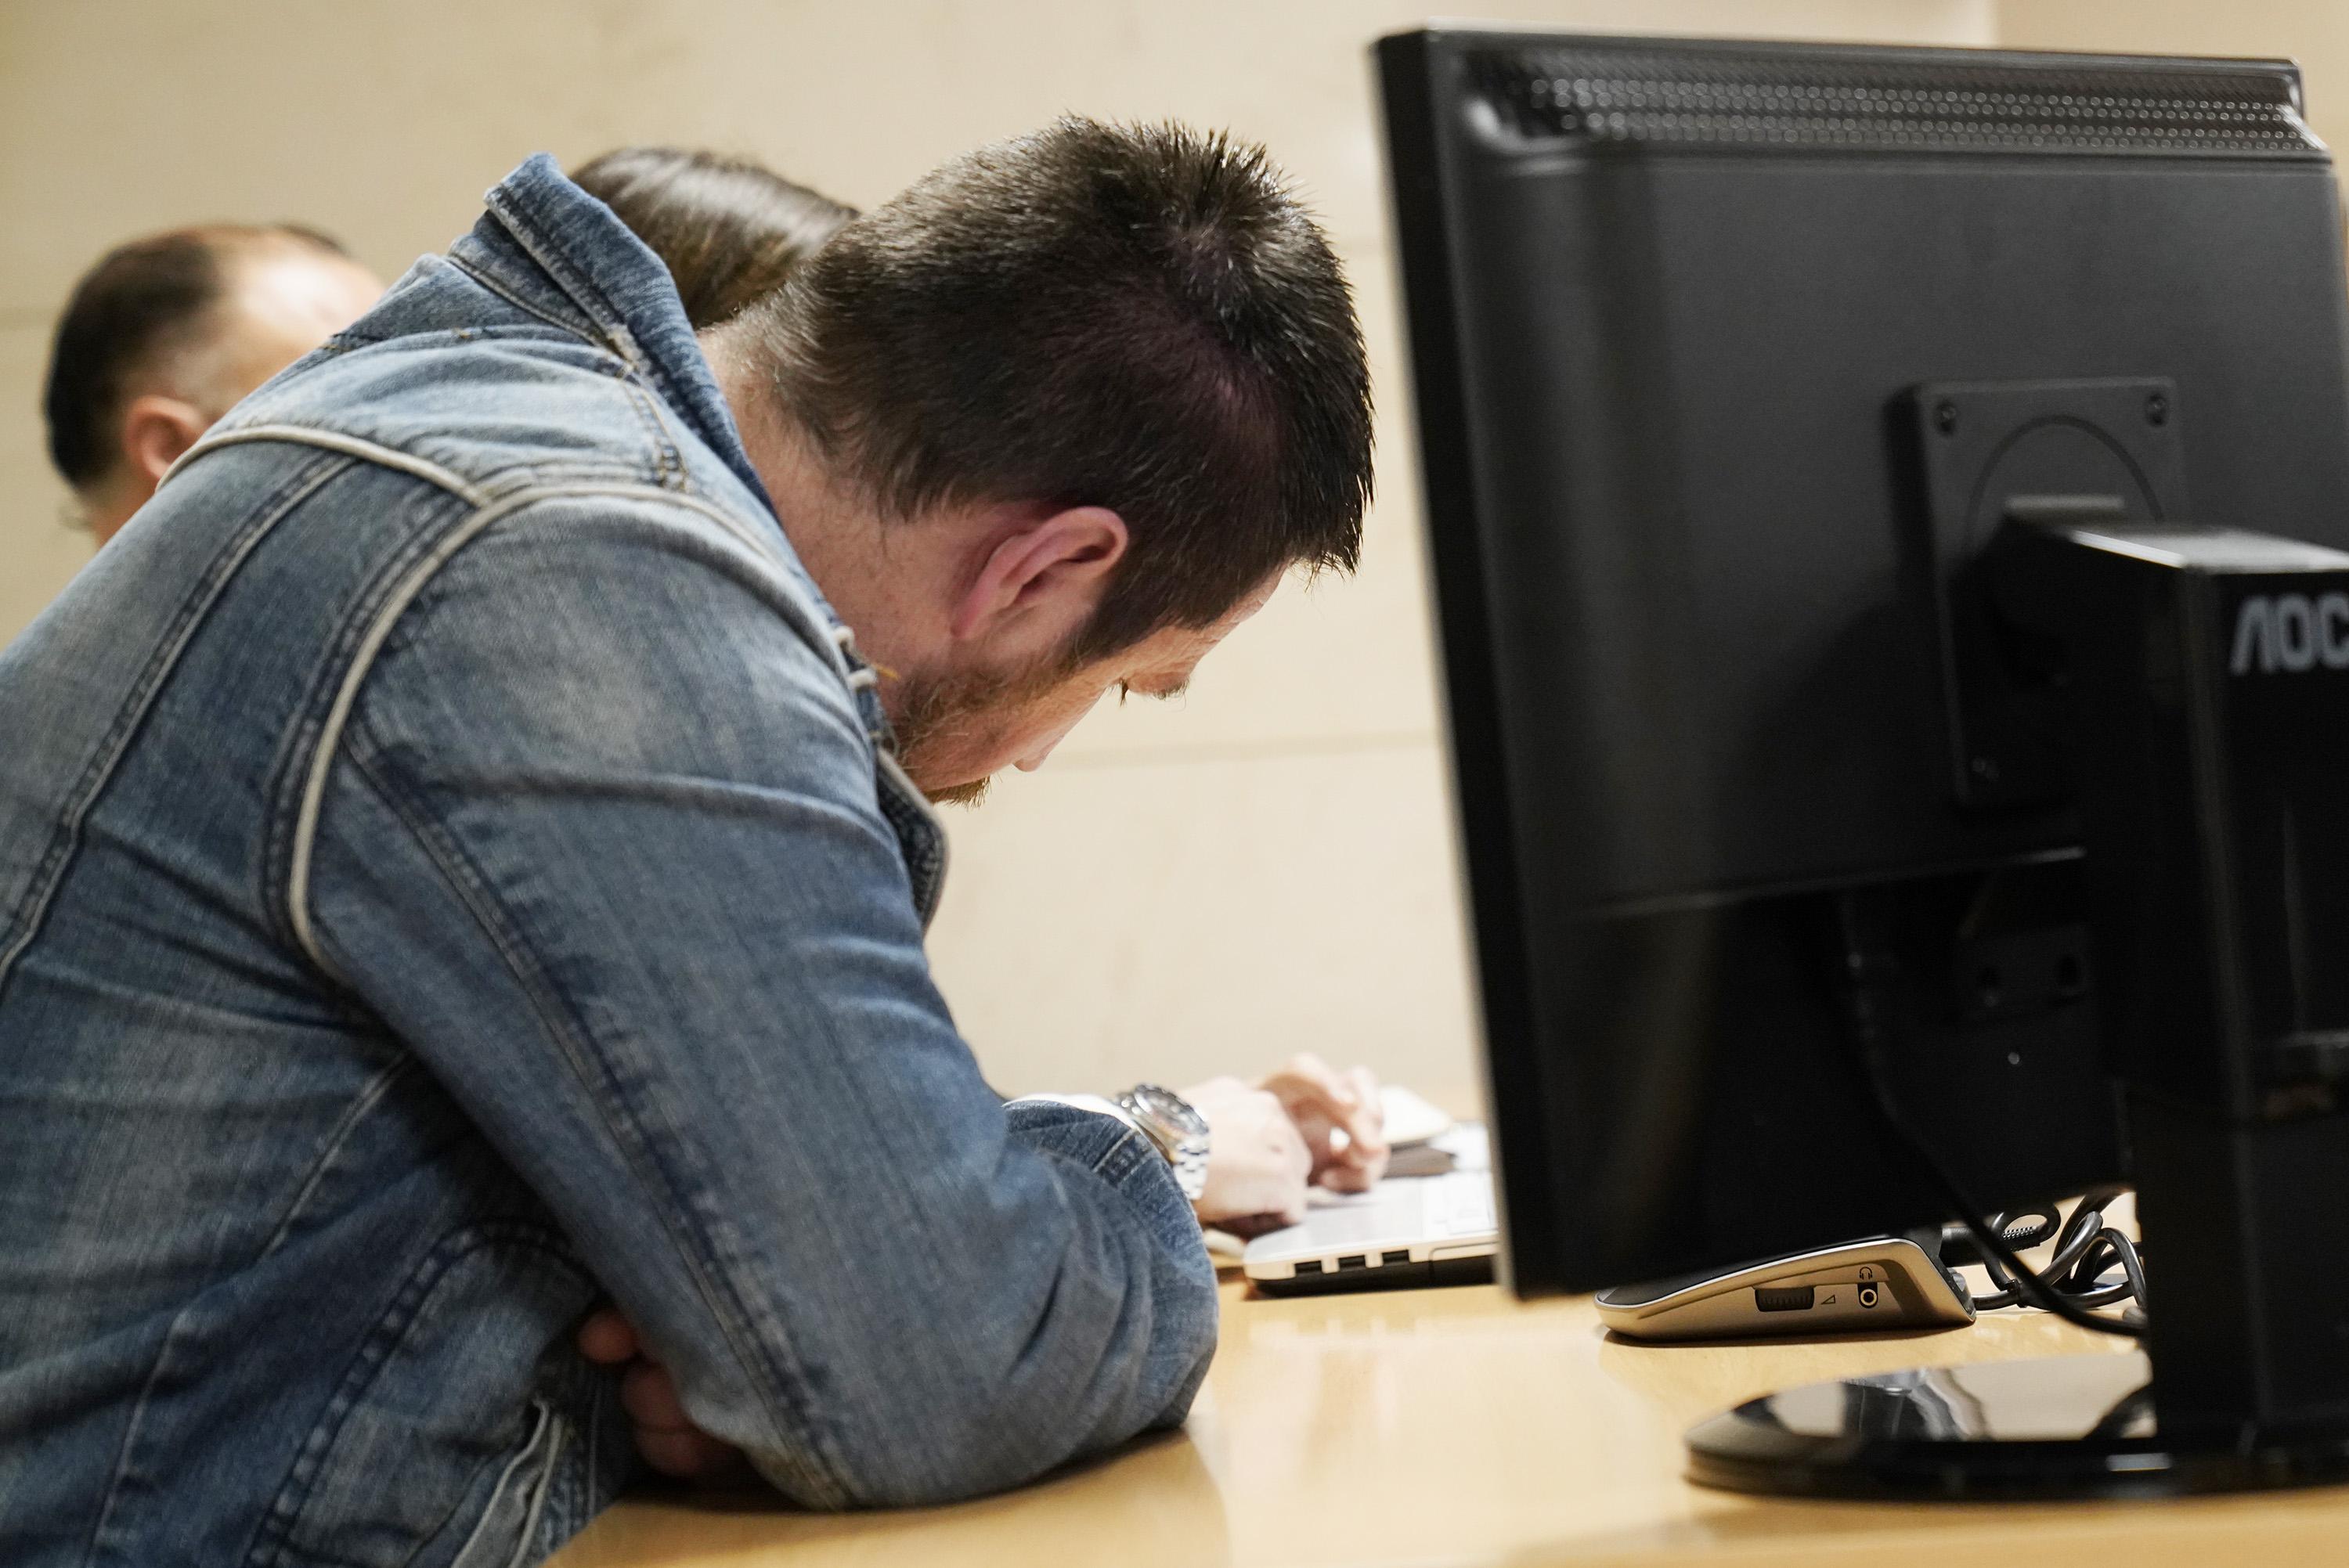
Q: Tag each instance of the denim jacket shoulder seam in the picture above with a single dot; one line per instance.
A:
(668, 465)
(290, 763)
(664, 416)
(386, 616)
(334, 441)
(299, 485)
(472, 890)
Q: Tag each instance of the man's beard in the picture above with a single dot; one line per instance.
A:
(973, 794)
(936, 713)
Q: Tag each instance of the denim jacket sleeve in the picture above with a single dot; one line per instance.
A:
(599, 840)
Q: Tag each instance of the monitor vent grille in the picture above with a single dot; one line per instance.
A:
(1648, 97)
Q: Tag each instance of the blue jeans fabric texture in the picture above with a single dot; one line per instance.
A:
(452, 870)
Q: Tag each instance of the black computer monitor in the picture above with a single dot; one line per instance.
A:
(1731, 360)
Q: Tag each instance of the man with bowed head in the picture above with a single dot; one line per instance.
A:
(733, 232)
(467, 859)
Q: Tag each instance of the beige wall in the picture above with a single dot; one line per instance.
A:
(1266, 867)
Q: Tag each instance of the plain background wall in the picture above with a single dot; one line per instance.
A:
(1262, 868)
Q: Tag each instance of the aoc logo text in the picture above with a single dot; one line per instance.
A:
(2290, 632)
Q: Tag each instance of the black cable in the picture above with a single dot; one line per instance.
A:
(2090, 1208)
(2021, 1228)
(2069, 1255)
(2046, 1225)
(2005, 1295)
(2089, 1272)
(2016, 1278)
(2133, 1265)
(1866, 973)
(2099, 1279)
(2075, 1246)
(2081, 1269)
(2104, 1295)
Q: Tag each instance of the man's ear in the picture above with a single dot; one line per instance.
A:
(155, 430)
(1041, 582)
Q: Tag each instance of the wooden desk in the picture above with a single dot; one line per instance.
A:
(1456, 1427)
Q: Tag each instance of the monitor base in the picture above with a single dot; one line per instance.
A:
(2060, 1426)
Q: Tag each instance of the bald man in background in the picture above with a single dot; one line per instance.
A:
(166, 333)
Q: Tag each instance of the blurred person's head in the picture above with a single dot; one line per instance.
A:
(1055, 420)
(729, 229)
(164, 335)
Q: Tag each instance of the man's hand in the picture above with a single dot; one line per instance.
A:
(1340, 1118)
(1305, 1123)
(669, 1441)
(1258, 1164)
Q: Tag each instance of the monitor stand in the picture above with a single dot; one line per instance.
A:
(2245, 1386)
(2056, 1427)
(2204, 684)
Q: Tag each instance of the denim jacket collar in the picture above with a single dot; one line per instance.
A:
(613, 279)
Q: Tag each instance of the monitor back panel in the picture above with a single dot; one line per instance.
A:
(1686, 596)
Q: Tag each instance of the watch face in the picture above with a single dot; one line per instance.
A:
(1172, 1110)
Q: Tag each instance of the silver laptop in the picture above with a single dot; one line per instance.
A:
(1409, 1230)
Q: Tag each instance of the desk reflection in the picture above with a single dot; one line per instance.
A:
(1155, 1499)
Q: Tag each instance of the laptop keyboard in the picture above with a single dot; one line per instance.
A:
(1459, 1204)
(1413, 1209)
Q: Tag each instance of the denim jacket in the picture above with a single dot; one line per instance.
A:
(453, 871)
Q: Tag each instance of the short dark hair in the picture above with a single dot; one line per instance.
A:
(1139, 317)
(141, 303)
(729, 229)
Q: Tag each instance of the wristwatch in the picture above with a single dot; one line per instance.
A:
(1178, 1130)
